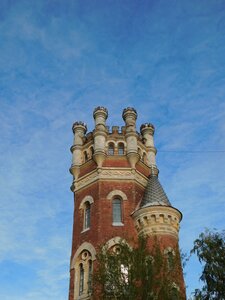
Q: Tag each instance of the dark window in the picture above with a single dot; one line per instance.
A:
(85, 156)
(81, 285)
(117, 213)
(111, 149)
(92, 151)
(87, 215)
(174, 294)
(170, 260)
(121, 149)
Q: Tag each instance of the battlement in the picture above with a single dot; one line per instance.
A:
(105, 142)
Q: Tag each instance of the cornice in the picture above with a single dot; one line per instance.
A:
(110, 174)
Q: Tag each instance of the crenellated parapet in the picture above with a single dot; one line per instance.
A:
(104, 143)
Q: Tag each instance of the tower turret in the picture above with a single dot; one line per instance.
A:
(100, 133)
(79, 130)
(155, 215)
(147, 130)
(130, 116)
(156, 218)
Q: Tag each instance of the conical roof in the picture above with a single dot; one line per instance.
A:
(154, 193)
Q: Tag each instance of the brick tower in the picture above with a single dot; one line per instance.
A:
(117, 194)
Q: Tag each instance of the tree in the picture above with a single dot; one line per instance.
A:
(125, 273)
(210, 250)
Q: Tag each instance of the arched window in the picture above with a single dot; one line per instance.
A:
(174, 294)
(170, 255)
(111, 149)
(89, 276)
(121, 149)
(117, 211)
(81, 283)
(87, 215)
(82, 264)
(170, 260)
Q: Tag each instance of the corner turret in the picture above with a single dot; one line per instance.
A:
(79, 130)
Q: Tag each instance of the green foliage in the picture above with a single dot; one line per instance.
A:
(126, 273)
(210, 249)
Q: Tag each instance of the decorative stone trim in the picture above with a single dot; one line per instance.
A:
(85, 246)
(111, 174)
(86, 199)
(169, 250)
(175, 286)
(83, 258)
(117, 224)
(100, 108)
(116, 193)
(115, 241)
(157, 220)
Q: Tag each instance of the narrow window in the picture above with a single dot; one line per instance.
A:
(139, 152)
(117, 214)
(170, 260)
(81, 285)
(121, 149)
(111, 149)
(89, 276)
(85, 156)
(87, 215)
(92, 151)
(174, 294)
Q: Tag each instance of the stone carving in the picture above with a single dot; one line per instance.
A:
(111, 173)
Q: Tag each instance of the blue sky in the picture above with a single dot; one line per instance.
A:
(61, 59)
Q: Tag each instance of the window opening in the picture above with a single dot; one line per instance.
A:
(89, 276)
(170, 260)
(121, 149)
(111, 149)
(174, 293)
(85, 156)
(87, 215)
(81, 285)
(117, 214)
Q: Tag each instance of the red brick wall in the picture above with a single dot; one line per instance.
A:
(101, 229)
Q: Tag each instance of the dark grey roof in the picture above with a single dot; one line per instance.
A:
(154, 193)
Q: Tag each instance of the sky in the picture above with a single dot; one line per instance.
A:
(60, 59)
